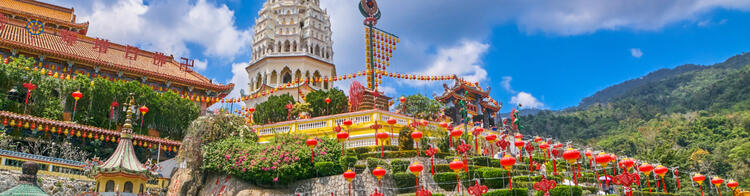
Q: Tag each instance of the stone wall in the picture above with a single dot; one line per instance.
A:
(53, 185)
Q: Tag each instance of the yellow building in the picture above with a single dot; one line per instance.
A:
(361, 132)
(122, 172)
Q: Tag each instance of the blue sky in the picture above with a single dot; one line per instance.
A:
(544, 54)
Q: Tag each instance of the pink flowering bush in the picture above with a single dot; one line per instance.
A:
(279, 162)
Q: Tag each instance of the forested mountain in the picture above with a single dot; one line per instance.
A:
(696, 117)
(615, 91)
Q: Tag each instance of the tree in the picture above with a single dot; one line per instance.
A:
(339, 102)
(272, 110)
(420, 106)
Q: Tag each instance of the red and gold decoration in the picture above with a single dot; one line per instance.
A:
(430, 152)
(454, 133)
(603, 160)
(717, 181)
(646, 169)
(382, 136)
(456, 166)
(507, 162)
(626, 180)
(143, 109)
(477, 189)
(545, 185)
(76, 95)
(29, 87)
(660, 171)
(477, 131)
(572, 155)
(416, 168)
(378, 172)
(416, 136)
(312, 143)
(733, 185)
(699, 178)
(349, 175)
(342, 137)
(491, 139)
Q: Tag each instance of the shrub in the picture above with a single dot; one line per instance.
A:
(405, 181)
(641, 193)
(564, 190)
(482, 161)
(493, 177)
(508, 192)
(412, 194)
(445, 180)
(372, 163)
(327, 168)
(347, 161)
(399, 165)
(390, 155)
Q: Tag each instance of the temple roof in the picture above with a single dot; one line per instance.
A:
(474, 88)
(24, 190)
(41, 158)
(123, 160)
(43, 11)
(50, 44)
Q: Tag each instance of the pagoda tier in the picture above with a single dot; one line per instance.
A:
(122, 172)
(368, 98)
(477, 101)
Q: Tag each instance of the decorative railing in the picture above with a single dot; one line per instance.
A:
(274, 130)
(312, 125)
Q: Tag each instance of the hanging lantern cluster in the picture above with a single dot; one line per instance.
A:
(36, 124)
(379, 46)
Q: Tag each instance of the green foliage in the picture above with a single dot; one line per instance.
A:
(273, 110)
(405, 181)
(372, 163)
(404, 139)
(642, 193)
(508, 192)
(421, 107)
(564, 190)
(347, 161)
(360, 168)
(446, 180)
(412, 194)
(668, 120)
(168, 113)
(327, 168)
(400, 165)
(493, 177)
(285, 158)
(224, 125)
(339, 102)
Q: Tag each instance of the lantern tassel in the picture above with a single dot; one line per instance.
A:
(701, 189)
(649, 184)
(510, 180)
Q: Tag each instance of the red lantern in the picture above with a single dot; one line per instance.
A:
(349, 176)
(342, 136)
(646, 169)
(312, 142)
(76, 95)
(443, 125)
(660, 171)
(572, 155)
(491, 139)
(699, 179)
(455, 133)
(717, 182)
(415, 169)
(507, 162)
(456, 166)
(518, 136)
(416, 136)
(733, 185)
(378, 172)
(519, 144)
(348, 123)
(537, 139)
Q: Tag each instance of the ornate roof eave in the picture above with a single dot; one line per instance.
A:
(84, 25)
(104, 64)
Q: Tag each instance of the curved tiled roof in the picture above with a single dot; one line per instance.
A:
(41, 158)
(15, 36)
(24, 190)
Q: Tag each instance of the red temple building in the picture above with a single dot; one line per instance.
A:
(64, 48)
(480, 107)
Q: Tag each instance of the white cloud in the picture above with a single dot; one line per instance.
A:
(636, 52)
(239, 79)
(389, 91)
(463, 60)
(506, 84)
(526, 100)
(201, 65)
(167, 26)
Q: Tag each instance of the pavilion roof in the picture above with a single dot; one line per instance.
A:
(82, 50)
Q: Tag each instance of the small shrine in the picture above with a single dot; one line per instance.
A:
(27, 182)
(470, 100)
(123, 173)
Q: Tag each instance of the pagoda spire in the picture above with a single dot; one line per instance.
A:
(127, 128)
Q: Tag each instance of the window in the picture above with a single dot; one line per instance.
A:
(128, 187)
(110, 186)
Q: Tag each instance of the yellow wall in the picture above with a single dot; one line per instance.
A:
(119, 181)
(324, 126)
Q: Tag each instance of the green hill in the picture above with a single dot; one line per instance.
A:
(695, 117)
